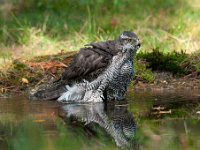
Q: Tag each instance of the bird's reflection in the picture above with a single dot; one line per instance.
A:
(114, 118)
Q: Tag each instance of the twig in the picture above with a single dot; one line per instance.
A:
(161, 112)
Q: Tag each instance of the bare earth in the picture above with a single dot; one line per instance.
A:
(165, 83)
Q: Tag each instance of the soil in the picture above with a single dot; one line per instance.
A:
(53, 66)
(167, 84)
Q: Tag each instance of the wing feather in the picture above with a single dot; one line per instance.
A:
(91, 61)
(87, 64)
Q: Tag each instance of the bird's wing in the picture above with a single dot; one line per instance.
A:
(87, 64)
(110, 46)
(90, 61)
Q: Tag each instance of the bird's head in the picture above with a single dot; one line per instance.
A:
(129, 41)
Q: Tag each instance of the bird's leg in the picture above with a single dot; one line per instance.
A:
(98, 95)
(104, 80)
(89, 90)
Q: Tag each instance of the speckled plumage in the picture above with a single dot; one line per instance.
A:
(101, 71)
(116, 120)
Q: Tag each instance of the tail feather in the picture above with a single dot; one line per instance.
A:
(73, 93)
(48, 92)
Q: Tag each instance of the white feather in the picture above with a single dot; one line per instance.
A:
(72, 94)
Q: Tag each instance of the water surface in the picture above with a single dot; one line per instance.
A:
(144, 121)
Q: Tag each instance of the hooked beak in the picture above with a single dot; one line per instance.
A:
(138, 45)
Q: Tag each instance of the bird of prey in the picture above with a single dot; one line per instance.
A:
(116, 120)
(100, 71)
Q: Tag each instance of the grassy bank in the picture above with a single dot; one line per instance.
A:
(22, 74)
(169, 32)
(33, 27)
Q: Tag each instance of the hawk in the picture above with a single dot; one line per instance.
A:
(116, 120)
(100, 71)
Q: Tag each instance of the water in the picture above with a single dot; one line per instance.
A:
(144, 121)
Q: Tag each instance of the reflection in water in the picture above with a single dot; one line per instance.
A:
(36, 123)
(116, 120)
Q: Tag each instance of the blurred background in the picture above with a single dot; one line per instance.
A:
(39, 27)
(169, 31)
(30, 28)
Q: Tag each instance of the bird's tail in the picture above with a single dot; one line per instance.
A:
(73, 93)
(49, 91)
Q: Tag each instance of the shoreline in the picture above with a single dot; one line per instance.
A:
(25, 74)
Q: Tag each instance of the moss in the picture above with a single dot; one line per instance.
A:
(169, 62)
(142, 73)
(177, 63)
(192, 64)
(18, 66)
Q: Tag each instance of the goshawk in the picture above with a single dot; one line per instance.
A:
(100, 71)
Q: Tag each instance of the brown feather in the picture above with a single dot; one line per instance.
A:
(88, 64)
(91, 59)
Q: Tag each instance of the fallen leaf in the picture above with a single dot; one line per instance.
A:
(39, 120)
(114, 22)
(25, 81)
(53, 70)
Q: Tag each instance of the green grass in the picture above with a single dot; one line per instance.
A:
(167, 25)
(170, 62)
(39, 27)
(143, 73)
(177, 63)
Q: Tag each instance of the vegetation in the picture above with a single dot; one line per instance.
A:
(177, 63)
(37, 35)
(40, 26)
(169, 32)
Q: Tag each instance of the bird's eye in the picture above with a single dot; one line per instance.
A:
(129, 40)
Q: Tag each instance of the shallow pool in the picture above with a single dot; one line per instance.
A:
(146, 120)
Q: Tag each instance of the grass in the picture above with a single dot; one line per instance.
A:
(169, 62)
(169, 31)
(45, 67)
(143, 73)
(177, 63)
(41, 28)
